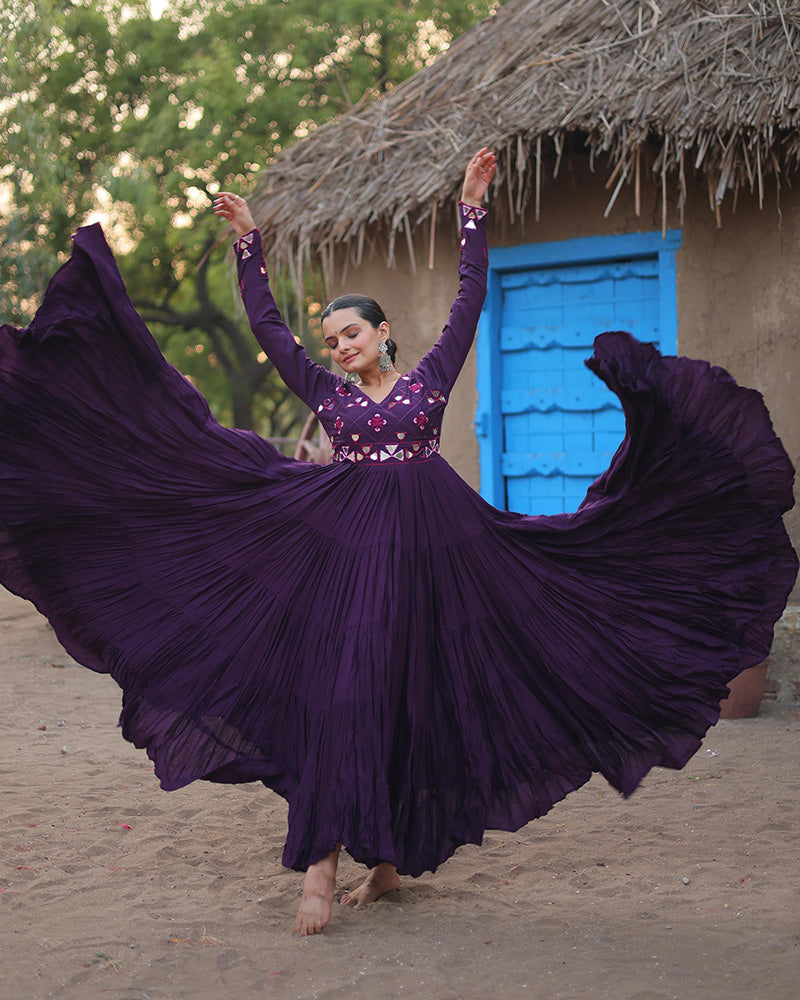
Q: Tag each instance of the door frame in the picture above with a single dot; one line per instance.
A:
(531, 256)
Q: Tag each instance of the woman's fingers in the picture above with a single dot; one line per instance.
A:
(227, 200)
(229, 205)
(234, 209)
(483, 161)
(482, 165)
(478, 175)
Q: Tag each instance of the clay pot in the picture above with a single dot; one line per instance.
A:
(746, 692)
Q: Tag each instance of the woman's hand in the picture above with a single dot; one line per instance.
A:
(478, 177)
(233, 208)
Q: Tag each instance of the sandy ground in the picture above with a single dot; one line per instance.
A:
(111, 888)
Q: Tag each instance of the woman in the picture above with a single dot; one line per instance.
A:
(406, 665)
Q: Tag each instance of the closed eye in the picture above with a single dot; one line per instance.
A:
(333, 342)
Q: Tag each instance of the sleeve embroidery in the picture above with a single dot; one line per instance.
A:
(243, 244)
(472, 214)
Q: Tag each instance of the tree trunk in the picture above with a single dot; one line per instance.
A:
(242, 398)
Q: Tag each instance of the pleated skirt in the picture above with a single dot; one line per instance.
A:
(405, 664)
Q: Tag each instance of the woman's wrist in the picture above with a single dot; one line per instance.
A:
(471, 211)
(243, 243)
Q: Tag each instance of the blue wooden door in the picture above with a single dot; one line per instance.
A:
(554, 425)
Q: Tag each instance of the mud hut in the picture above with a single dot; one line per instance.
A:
(648, 154)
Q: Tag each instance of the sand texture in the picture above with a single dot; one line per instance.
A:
(111, 889)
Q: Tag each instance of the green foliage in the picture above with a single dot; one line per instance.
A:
(114, 114)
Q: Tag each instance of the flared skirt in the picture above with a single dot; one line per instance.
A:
(405, 664)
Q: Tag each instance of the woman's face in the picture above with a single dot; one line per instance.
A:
(352, 340)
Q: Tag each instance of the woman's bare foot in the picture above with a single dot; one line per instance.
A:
(318, 888)
(383, 878)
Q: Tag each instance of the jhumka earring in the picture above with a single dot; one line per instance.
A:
(384, 362)
(351, 377)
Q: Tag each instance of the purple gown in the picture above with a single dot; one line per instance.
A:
(406, 665)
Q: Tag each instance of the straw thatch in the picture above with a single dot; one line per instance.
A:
(657, 87)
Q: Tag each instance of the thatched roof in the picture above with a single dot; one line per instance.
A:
(708, 85)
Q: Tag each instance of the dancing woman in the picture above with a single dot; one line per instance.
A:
(405, 664)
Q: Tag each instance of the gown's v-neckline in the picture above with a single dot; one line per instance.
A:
(383, 399)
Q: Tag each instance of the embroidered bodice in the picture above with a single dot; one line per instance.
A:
(406, 424)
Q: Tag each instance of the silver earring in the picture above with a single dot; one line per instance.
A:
(351, 377)
(384, 362)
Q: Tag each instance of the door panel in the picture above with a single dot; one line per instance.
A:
(560, 424)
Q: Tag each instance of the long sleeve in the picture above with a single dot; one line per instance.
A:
(304, 377)
(441, 365)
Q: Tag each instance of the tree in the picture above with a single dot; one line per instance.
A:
(114, 113)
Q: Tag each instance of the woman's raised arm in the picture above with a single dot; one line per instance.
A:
(308, 380)
(441, 365)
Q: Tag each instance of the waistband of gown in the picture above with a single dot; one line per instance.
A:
(387, 452)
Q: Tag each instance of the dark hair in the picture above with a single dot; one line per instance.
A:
(366, 308)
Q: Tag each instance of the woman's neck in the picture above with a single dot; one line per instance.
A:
(378, 379)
